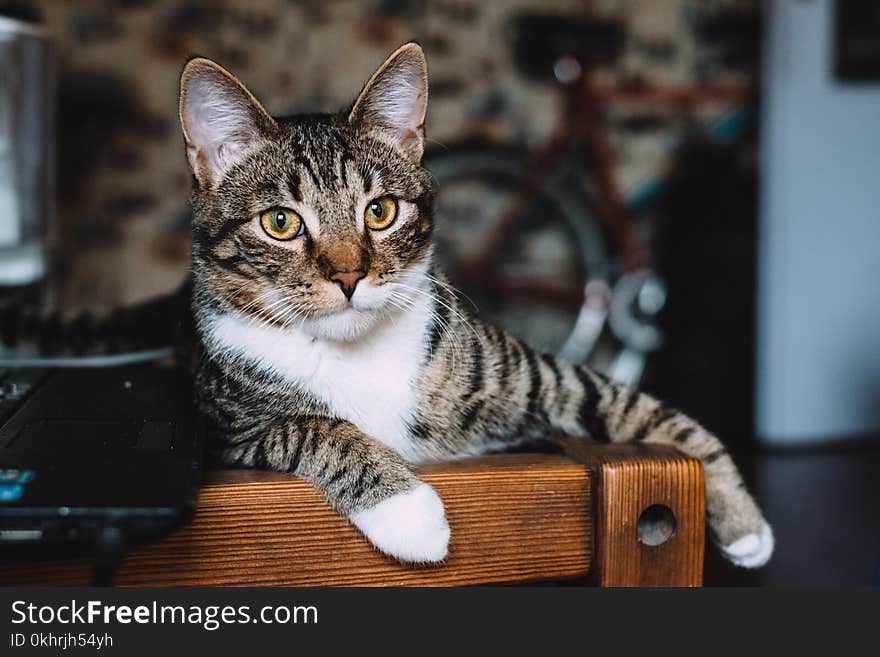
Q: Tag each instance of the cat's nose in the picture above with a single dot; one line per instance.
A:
(347, 280)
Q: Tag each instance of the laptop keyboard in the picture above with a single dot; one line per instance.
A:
(15, 386)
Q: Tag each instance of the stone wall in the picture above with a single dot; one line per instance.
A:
(123, 219)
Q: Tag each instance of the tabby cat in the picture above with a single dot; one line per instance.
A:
(333, 347)
(327, 344)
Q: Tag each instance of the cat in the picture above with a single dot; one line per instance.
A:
(334, 348)
(325, 342)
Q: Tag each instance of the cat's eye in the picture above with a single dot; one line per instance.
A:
(380, 213)
(281, 223)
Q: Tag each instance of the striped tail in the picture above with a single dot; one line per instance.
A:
(610, 412)
(156, 324)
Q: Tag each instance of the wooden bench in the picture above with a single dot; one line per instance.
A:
(515, 518)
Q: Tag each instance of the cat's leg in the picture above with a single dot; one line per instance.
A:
(363, 479)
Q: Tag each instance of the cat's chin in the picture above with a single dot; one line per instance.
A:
(346, 325)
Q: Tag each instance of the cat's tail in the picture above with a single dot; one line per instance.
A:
(611, 412)
(29, 332)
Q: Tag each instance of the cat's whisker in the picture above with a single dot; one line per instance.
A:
(268, 311)
(277, 315)
(260, 297)
(267, 308)
(397, 297)
(296, 311)
(415, 276)
(403, 306)
(230, 298)
(400, 297)
(446, 331)
(454, 291)
(397, 304)
(443, 303)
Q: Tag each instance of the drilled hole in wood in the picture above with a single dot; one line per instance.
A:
(656, 524)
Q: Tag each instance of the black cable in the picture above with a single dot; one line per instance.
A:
(109, 548)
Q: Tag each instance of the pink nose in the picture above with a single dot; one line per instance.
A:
(347, 280)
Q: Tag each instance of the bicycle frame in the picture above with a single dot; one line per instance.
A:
(584, 122)
(585, 117)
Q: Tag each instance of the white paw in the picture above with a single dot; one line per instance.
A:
(409, 526)
(751, 550)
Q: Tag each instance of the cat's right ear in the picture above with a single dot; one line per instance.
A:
(222, 122)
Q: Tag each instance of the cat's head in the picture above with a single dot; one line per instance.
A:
(319, 222)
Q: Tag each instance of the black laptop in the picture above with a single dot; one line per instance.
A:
(92, 454)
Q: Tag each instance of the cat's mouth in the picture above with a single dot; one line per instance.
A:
(348, 319)
(328, 313)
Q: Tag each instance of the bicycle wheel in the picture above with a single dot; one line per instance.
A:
(530, 277)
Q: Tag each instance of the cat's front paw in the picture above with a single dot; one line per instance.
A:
(409, 526)
(752, 550)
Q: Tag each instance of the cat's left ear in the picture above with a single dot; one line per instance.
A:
(395, 100)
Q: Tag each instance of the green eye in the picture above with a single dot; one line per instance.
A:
(380, 212)
(281, 223)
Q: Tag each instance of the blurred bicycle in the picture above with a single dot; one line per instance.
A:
(547, 243)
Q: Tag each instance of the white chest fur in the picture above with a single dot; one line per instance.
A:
(371, 382)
